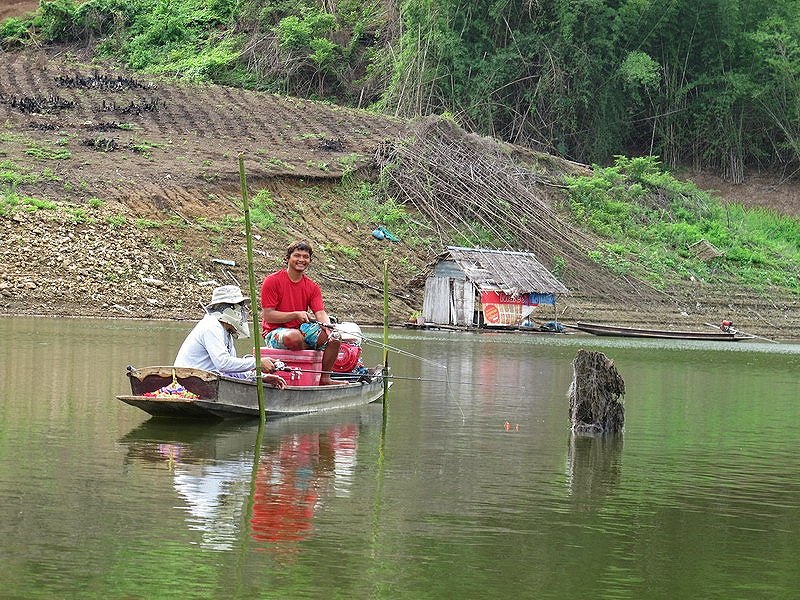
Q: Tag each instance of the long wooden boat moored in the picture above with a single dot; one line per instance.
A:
(619, 331)
(194, 393)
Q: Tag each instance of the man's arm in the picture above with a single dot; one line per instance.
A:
(278, 317)
(322, 317)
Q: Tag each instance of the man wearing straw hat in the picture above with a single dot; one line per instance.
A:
(209, 346)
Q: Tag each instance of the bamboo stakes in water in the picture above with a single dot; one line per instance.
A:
(385, 332)
(253, 305)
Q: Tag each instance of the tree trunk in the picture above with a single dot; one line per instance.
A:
(594, 394)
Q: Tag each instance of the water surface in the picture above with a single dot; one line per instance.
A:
(475, 489)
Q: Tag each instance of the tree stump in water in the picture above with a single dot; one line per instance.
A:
(594, 395)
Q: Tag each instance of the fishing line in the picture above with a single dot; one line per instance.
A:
(402, 352)
(447, 382)
(422, 379)
(381, 345)
(450, 392)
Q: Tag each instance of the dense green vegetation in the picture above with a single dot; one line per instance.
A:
(650, 225)
(292, 47)
(713, 84)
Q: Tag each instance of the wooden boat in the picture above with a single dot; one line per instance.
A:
(618, 331)
(194, 393)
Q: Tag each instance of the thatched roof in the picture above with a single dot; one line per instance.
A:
(513, 273)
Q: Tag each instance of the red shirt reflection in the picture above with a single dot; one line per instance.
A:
(291, 480)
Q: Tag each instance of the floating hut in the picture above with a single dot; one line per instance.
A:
(473, 287)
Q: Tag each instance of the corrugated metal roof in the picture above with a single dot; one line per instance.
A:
(513, 273)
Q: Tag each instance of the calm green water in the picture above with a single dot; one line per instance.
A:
(699, 498)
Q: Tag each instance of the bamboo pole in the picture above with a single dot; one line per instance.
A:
(385, 332)
(253, 305)
(247, 515)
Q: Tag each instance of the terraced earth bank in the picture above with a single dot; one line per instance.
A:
(150, 168)
(145, 170)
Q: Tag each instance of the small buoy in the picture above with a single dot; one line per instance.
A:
(378, 235)
(507, 426)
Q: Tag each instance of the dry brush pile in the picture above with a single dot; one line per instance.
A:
(465, 183)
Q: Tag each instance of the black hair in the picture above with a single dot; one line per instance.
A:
(299, 245)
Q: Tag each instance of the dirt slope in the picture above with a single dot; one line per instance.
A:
(162, 158)
(779, 194)
(17, 8)
(142, 139)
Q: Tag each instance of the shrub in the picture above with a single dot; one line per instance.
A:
(261, 206)
(13, 32)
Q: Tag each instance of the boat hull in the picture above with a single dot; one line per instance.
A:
(619, 331)
(224, 397)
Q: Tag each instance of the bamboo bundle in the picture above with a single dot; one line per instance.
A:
(464, 183)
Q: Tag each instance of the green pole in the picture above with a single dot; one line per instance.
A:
(247, 516)
(253, 305)
(385, 331)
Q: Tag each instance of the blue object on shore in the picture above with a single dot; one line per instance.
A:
(378, 234)
(389, 236)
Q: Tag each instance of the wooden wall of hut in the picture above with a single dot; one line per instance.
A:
(436, 303)
(463, 302)
(449, 300)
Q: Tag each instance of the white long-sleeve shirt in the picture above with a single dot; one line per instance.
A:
(208, 346)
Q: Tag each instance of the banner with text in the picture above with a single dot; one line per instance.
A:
(502, 309)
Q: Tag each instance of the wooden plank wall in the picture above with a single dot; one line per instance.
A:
(436, 303)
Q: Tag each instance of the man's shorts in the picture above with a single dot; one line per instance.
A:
(310, 331)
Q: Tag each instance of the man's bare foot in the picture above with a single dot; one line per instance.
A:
(327, 381)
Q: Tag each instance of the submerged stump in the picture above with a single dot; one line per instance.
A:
(595, 393)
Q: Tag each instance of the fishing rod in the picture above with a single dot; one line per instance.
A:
(400, 351)
(281, 366)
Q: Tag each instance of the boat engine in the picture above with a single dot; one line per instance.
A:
(349, 359)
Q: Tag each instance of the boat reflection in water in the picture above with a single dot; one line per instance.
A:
(303, 460)
(292, 479)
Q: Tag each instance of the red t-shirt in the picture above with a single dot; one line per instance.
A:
(283, 294)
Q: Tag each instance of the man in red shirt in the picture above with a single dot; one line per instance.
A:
(286, 298)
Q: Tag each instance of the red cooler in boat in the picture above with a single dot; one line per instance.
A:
(308, 361)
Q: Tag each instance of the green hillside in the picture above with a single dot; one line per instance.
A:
(714, 84)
